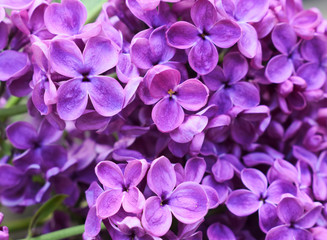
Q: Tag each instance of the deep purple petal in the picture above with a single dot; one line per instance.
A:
(243, 132)
(243, 202)
(10, 176)
(251, 10)
(109, 174)
(167, 114)
(91, 121)
(279, 69)
(289, 210)
(214, 79)
(235, 67)
(156, 218)
(20, 86)
(248, 41)
(12, 64)
(108, 203)
(22, 135)
(182, 35)
(66, 58)
(72, 99)
(100, 55)
(203, 57)
(192, 94)
(161, 176)
(65, 18)
(244, 94)
(284, 38)
(204, 14)
(225, 33)
(254, 180)
(188, 202)
(218, 231)
(106, 94)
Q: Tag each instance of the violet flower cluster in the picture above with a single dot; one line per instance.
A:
(173, 119)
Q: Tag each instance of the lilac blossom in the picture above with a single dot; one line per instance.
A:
(4, 232)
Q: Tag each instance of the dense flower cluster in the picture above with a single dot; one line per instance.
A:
(175, 119)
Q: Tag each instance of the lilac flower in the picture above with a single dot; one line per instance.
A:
(202, 38)
(99, 55)
(188, 201)
(165, 87)
(4, 232)
(295, 222)
(120, 188)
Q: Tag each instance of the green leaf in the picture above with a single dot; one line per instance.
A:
(93, 8)
(11, 111)
(45, 212)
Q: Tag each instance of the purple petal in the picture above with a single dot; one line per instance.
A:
(256, 158)
(66, 18)
(214, 79)
(254, 180)
(167, 114)
(72, 99)
(248, 41)
(182, 35)
(218, 231)
(191, 126)
(47, 133)
(244, 94)
(204, 14)
(4, 31)
(134, 172)
(268, 217)
(319, 187)
(225, 33)
(278, 188)
(133, 201)
(66, 58)
(222, 100)
(222, 170)
(17, 4)
(92, 223)
(91, 121)
(243, 202)
(235, 67)
(284, 38)
(313, 74)
(108, 203)
(279, 69)
(106, 94)
(10, 176)
(160, 51)
(164, 80)
(141, 53)
(203, 57)
(92, 193)
(100, 55)
(251, 10)
(314, 49)
(192, 94)
(243, 132)
(156, 219)
(309, 219)
(20, 87)
(221, 188)
(188, 202)
(125, 69)
(109, 174)
(289, 210)
(12, 64)
(283, 232)
(194, 169)
(212, 195)
(22, 135)
(161, 176)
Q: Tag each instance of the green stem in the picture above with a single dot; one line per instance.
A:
(64, 233)
(12, 101)
(18, 225)
(11, 111)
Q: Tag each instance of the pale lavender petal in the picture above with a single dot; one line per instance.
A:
(106, 94)
(254, 180)
(243, 202)
(108, 203)
(66, 58)
(194, 169)
(313, 74)
(309, 219)
(65, 18)
(284, 38)
(100, 55)
(2, 16)
(12, 64)
(268, 217)
(156, 218)
(204, 14)
(225, 33)
(92, 223)
(72, 99)
(133, 200)
(218, 231)
(192, 94)
(161, 176)
(283, 232)
(235, 67)
(203, 57)
(289, 210)
(167, 114)
(22, 135)
(182, 35)
(188, 202)
(248, 41)
(319, 187)
(251, 10)
(148, 5)
(109, 174)
(244, 94)
(134, 172)
(279, 69)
